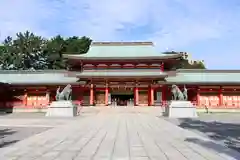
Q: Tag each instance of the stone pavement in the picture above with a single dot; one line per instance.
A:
(117, 134)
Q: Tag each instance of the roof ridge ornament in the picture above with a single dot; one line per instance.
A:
(121, 43)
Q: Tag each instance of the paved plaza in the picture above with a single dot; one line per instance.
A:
(222, 127)
(111, 134)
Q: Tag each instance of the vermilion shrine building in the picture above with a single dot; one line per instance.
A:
(120, 74)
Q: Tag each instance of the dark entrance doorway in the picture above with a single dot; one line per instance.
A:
(122, 99)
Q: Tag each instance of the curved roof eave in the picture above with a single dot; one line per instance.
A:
(80, 57)
(38, 77)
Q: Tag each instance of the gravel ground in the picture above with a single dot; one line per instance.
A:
(11, 135)
(222, 127)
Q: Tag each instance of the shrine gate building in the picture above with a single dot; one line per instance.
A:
(120, 74)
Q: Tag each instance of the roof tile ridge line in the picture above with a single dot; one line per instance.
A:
(191, 70)
(208, 71)
(122, 43)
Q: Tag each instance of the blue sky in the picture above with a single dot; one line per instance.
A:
(207, 29)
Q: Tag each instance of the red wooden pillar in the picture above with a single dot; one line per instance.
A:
(25, 99)
(91, 103)
(48, 97)
(106, 95)
(162, 67)
(164, 93)
(198, 97)
(220, 97)
(150, 95)
(136, 96)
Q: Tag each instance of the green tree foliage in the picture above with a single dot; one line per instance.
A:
(76, 45)
(56, 47)
(29, 51)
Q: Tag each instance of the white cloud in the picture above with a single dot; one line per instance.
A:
(169, 23)
(104, 20)
(17, 15)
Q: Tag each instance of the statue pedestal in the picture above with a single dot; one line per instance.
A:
(181, 109)
(61, 109)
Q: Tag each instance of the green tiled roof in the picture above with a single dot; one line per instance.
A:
(35, 77)
(122, 73)
(60, 77)
(124, 50)
(205, 76)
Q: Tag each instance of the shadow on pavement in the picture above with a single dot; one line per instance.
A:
(3, 134)
(216, 147)
(226, 133)
(4, 113)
